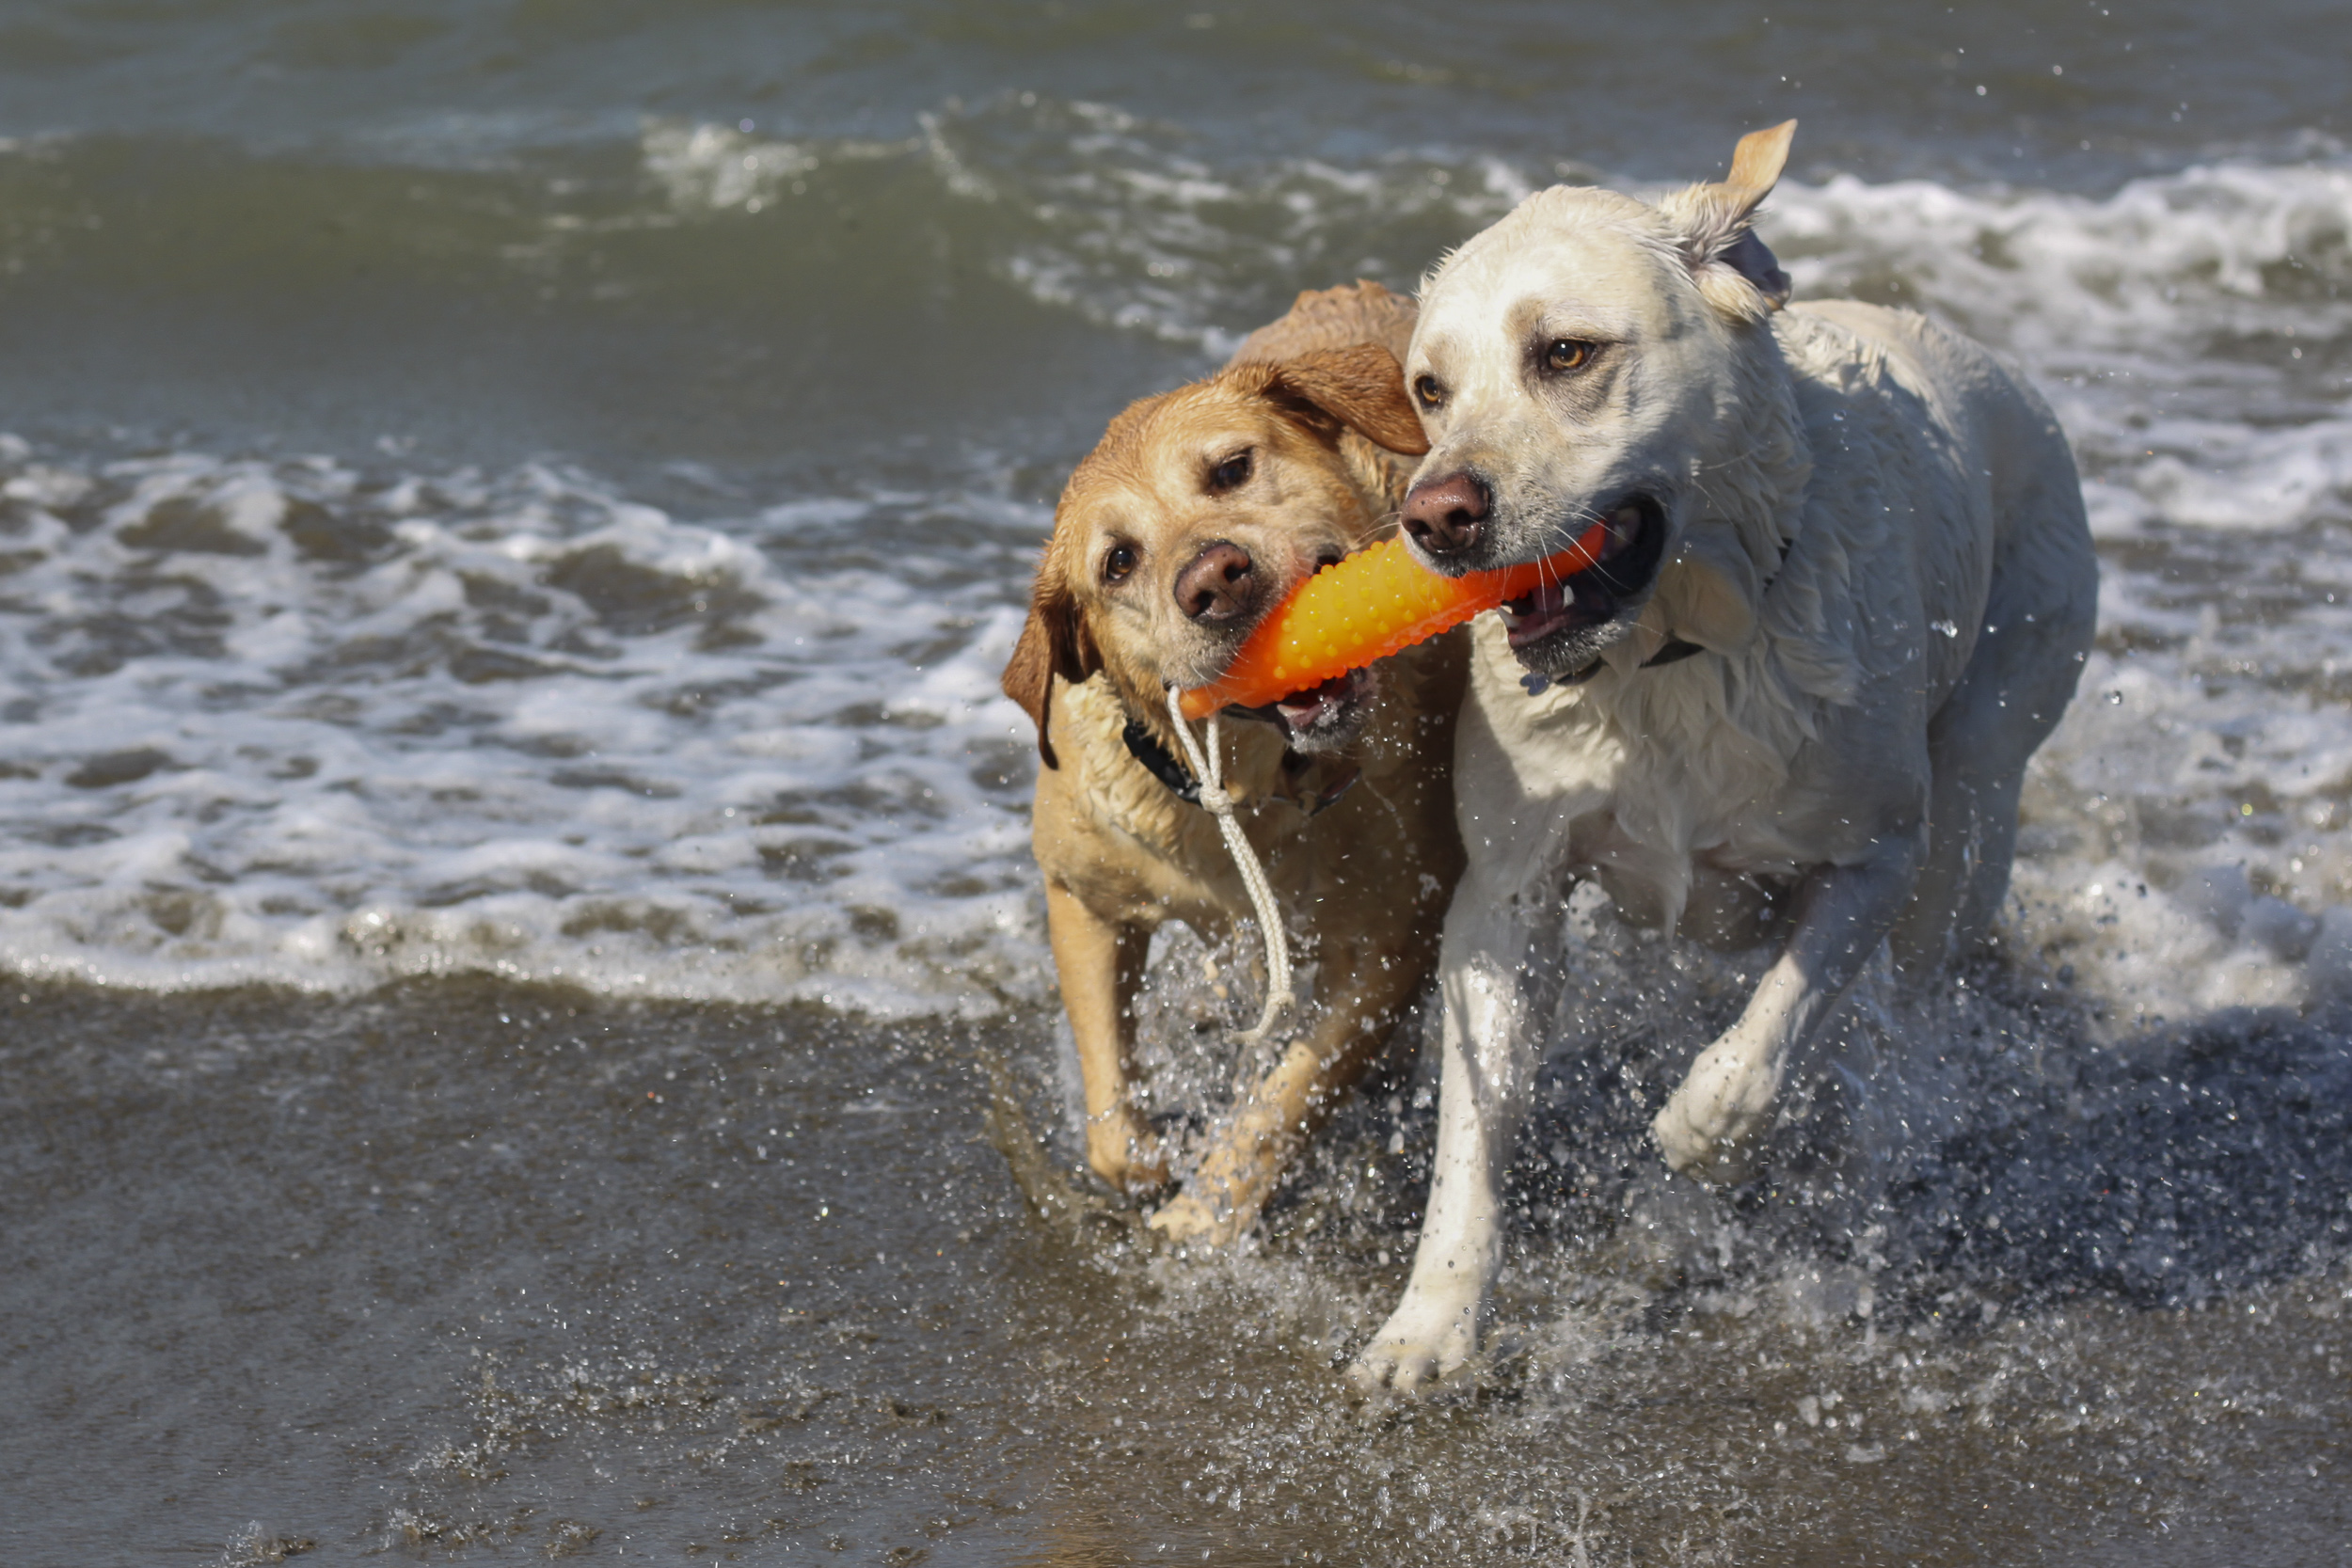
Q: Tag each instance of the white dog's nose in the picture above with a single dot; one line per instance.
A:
(1447, 516)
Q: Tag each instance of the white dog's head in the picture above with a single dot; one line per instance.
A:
(1585, 360)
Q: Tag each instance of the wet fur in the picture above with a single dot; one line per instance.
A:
(1317, 397)
(1877, 542)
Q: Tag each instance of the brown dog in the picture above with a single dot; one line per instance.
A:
(1198, 512)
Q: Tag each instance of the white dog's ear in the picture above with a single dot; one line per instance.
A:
(1710, 590)
(1733, 268)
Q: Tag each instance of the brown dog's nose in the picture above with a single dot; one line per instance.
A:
(1445, 516)
(1220, 585)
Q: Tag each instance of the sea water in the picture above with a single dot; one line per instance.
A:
(514, 862)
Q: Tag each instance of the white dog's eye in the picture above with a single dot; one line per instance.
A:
(1119, 563)
(1565, 354)
(1430, 391)
(1230, 472)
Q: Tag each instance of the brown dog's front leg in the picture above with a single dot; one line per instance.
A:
(1100, 966)
(1245, 1162)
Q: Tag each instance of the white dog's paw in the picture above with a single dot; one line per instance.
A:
(1423, 1342)
(1713, 1126)
(1715, 1155)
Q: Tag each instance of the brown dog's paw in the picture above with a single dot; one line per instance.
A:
(1128, 1155)
(1187, 1221)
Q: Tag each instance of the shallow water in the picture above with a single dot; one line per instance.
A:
(510, 517)
(477, 1269)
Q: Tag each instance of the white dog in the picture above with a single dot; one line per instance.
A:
(1847, 590)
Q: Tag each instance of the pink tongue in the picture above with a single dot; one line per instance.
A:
(1538, 615)
(1314, 699)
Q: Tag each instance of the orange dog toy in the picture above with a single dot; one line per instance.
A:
(1376, 603)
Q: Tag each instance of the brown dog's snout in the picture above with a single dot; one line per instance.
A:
(1220, 587)
(1447, 516)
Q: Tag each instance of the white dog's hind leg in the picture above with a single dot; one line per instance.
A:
(1712, 1126)
(1494, 981)
(2018, 683)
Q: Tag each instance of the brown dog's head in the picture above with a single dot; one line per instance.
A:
(1199, 511)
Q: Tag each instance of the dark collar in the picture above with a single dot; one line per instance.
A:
(1160, 762)
(1673, 651)
(1162, 765)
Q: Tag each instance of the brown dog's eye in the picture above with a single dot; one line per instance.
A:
(1120, 564)
(1565, 354)
(1230, 472)
(1430, 391)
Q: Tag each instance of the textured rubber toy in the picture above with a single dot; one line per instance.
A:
(1376, 602)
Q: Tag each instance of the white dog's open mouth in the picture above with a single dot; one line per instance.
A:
(1563, 625)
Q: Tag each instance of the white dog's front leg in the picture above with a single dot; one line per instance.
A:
(1713, 1126)
(1492, 988)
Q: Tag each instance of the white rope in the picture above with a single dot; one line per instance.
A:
(1210, 770)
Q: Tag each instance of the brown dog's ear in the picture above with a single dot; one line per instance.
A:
(1736, 271)
(1361, 386)
(1053, 643)
(1361, 312)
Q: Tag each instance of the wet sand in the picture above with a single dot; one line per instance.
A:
(476, 1272)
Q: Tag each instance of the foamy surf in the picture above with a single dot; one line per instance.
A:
(2191, 327)
(324, 724)
(293, 723)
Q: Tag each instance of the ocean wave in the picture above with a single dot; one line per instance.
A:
(1118, 218)
(318, 722)
(286, 721)
(2194, 329)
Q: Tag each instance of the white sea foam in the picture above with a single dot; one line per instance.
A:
(288, 720)
(2194, 329)
(282, 721)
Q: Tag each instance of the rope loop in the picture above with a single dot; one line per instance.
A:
(1210, 770)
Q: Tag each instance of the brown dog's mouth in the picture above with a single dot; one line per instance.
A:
(1560, 624)
(1318, 717)
(1319, 704)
